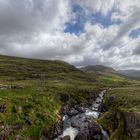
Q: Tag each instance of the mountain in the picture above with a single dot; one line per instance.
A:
(106, 75)
(99, 69)
(131, 73)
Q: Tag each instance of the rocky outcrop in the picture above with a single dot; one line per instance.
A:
(132, 124)
(89, 131)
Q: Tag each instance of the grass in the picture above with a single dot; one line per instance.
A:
(36, 91)
(118, 101)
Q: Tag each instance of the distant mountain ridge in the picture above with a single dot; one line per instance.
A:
(99, 69)
(105, 70)
(131, 73)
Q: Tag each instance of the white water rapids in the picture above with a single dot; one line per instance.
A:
(92, 111)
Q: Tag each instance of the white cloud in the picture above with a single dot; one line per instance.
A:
(102, 6)
(35, 28)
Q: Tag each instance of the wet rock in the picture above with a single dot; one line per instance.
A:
(66, 138)
(80, 109)
(65, 110)
(102, 108)
(95, 131)
(76, 122)
(82, 136)
(72, 112)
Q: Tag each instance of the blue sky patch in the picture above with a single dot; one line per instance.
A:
(104, 20)
(78, 26)
(82, 18)
(135, 33)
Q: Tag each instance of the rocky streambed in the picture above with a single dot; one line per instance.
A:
(80, 122)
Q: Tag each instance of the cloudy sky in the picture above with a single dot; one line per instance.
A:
(81, 32)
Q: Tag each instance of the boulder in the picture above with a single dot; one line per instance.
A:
(95, 131)
(80, 109)
(72, 112)
(82, 136)
(66, 138)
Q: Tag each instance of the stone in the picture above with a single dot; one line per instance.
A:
(94, 130)
(66, 138)
(132, 124)
(82, 136)
(72, 112)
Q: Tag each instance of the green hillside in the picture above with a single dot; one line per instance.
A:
(122, 118)
(33, 92)
(107, 76)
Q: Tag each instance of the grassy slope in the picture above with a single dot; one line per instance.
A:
(120, 100)
(123, 97)
(35, 92)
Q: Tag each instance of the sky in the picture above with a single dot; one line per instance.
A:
(80, 32)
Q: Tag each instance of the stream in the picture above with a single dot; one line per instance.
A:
(83, 126)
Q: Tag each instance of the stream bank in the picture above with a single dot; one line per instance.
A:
(80, 122)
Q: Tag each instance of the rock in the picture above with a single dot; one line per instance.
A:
(66, 138)
(28, 121)
(4, 134)
(3, 108)
(80, 109)
(72, 112)
(82, 136)
(4, 87)
(95, 131)
(132, 124)
(53, 132)
(65, 110)
(76, 122)
(17, 87)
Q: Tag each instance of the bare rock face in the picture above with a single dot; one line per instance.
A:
(132, 124)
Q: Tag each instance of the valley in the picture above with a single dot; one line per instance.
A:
(34, 94)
